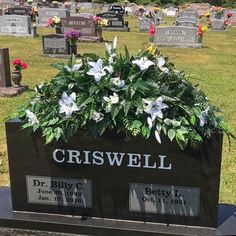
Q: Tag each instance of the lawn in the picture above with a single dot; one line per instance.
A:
(212, 68)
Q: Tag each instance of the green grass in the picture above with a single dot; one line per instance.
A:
(212, 68)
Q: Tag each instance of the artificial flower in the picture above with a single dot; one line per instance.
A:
(97, 116)
(67, 104)
(118, 82)
(154, 109)
(160, 63)
(75, 67)
(143, 63)
(32, 118)
(97, 70)
(203, 116)
(109, 69)
(115, 43)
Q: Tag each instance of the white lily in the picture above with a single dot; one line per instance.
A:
(154, 109)
(67, 104)
(108, 48)
(75, 67)
(115, 43)
(109, 69)
(118, 82)
(97, 116)
(97, 70)
(157, 135)
(160, 63)
(203, 116)
(143, 63)
(32, 118)
(112, 99)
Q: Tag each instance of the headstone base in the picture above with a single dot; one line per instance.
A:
(184, 45)
(21, 35)
(90, 39)
(121, 29)
(105, 227)
(12, 91)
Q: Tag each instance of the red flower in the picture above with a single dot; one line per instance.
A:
(152, 29)
(24, 65)
(229, 14)
(19, 65)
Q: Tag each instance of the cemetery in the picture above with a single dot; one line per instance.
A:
(117, 118)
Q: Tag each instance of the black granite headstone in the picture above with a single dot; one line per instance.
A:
(117, 9)
(5, 76)
(115, 177)
(19, 10)
(114, 20)
(55, 44)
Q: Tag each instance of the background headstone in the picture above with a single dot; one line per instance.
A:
(55, 45)
(177, 36)
(144, 24)
(5, 76)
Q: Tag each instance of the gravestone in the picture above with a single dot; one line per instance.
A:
(115, 21)
(177, 36)
(144, 24)
(83, 24)
(16, 25)
(189, 13)
(46, 13)
(135, 181)
(217, 25)
(186, 21)
(86, 5)
(55, 45)
(171, 12)
(4, 5)
(117, 9)
(19, 10)
(5, 76)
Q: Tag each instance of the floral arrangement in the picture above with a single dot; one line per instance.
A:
(19, 65)
(29, 1)
(200, 30)
(99, 22)
(155, 9)
(138, 95)
(207, 14)
(67, 4)
(229, 15)
(55, 21)
(72, 36)
(149, 14)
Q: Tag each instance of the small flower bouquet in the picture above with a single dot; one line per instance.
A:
(54, 22)
(72, 36)
(200, 30)
(137, 95)
(19, 65)
(229, 15)
(99, 22)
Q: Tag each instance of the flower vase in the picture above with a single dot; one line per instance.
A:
(73, 49)
(199, 38)
(98, 33)
(16, 78)
(58, 29)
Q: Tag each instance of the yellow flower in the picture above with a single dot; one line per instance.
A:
(78, 61)
(56, 19)
(207, 14)
(204, 28)
(151, 49)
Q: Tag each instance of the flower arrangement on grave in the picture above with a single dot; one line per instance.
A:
(29, 2)
(152, 32)
(54, 22)
(19, 64)
(16, 74)
(200, 30)
(229, 15)
(149, 15)
(72, 36)
(67, 5)
(34, 13)
(137, 95)
(155, 9)
(218, 12)
(207, 14)
(99, 22)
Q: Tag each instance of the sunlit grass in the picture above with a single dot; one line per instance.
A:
(212, 68)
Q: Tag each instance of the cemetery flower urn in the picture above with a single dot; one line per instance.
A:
(16, 77)
(58, 29)
(119, 137)
(16, 74)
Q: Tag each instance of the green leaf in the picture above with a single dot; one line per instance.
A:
(136, 124)
(193, 119)
(127, 106)
(146, 131)
(49, 137)
(58, 133)
(197, 111)
(114, 111)
(171, 134)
